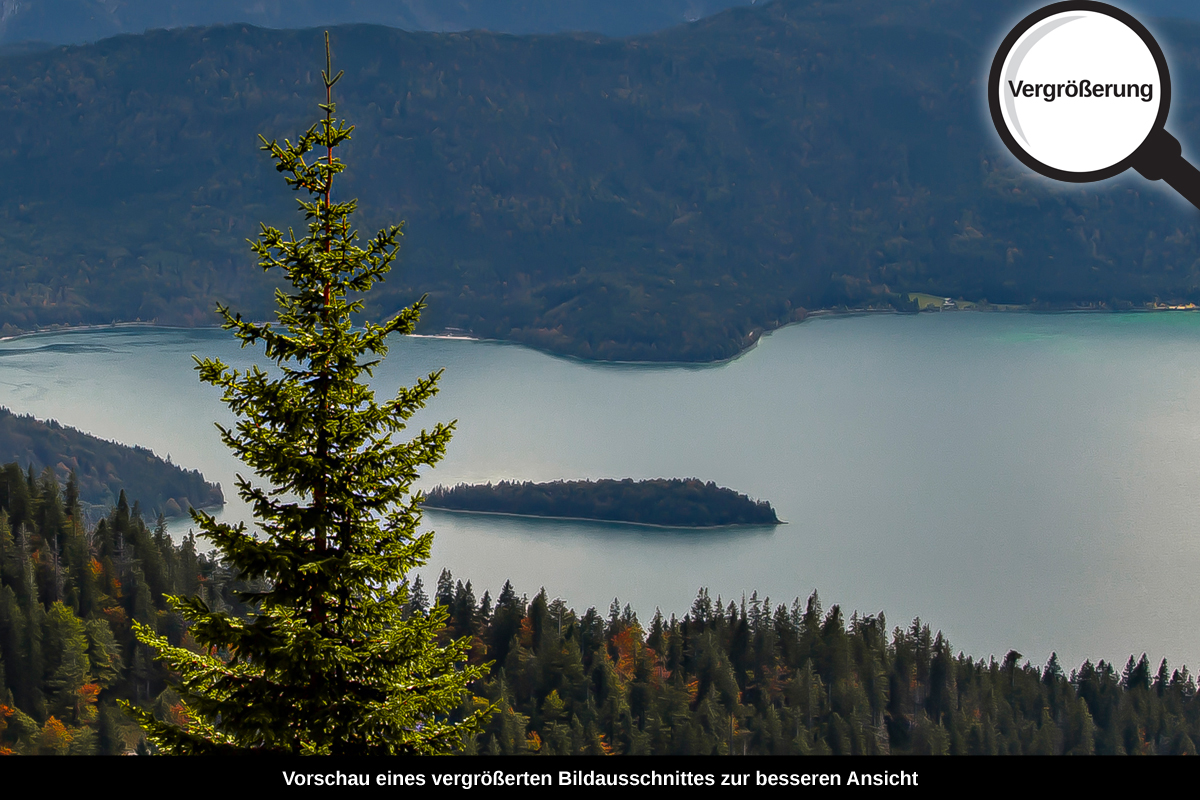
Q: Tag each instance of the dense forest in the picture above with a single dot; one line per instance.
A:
(728, 677)
(670, 502)
(750, 677)
(661, 197)
(101, 469)
(68, 596)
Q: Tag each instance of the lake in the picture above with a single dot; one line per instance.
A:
(1017, 480)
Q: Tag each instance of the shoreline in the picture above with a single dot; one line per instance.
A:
(139, 324)
(755, 336)
(610, 521)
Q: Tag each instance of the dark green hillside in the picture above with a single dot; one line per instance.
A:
(666, 197)
(674, 503)
(103, 469)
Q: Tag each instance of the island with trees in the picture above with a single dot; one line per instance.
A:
(673, 503)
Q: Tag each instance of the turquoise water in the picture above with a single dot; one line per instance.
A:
(1017, 480)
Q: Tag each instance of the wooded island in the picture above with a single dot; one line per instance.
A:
(673, 503)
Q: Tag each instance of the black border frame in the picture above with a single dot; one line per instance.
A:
(1011, 39)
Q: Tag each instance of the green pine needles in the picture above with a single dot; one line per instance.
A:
(333, 663)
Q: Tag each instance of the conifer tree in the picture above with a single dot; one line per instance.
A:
(335, 661)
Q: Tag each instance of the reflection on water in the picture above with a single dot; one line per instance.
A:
(77, 347)
(612, 533)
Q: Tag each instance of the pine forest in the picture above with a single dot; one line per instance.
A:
(745, 675)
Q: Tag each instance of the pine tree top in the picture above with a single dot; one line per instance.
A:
(335, 662)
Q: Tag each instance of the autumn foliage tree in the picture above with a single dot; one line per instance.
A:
(333, 662)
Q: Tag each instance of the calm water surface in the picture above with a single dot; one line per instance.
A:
(1018, 481)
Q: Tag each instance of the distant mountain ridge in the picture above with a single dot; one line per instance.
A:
(77, 21)
(663, 197)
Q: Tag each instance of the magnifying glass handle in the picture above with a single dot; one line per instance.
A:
(1161, 158)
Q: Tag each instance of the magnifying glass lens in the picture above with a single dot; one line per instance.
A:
(1079, 92)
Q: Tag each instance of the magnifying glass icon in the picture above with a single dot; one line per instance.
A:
(1079, 92)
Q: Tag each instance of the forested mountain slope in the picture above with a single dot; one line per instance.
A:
(103, 469)
(664, 197)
